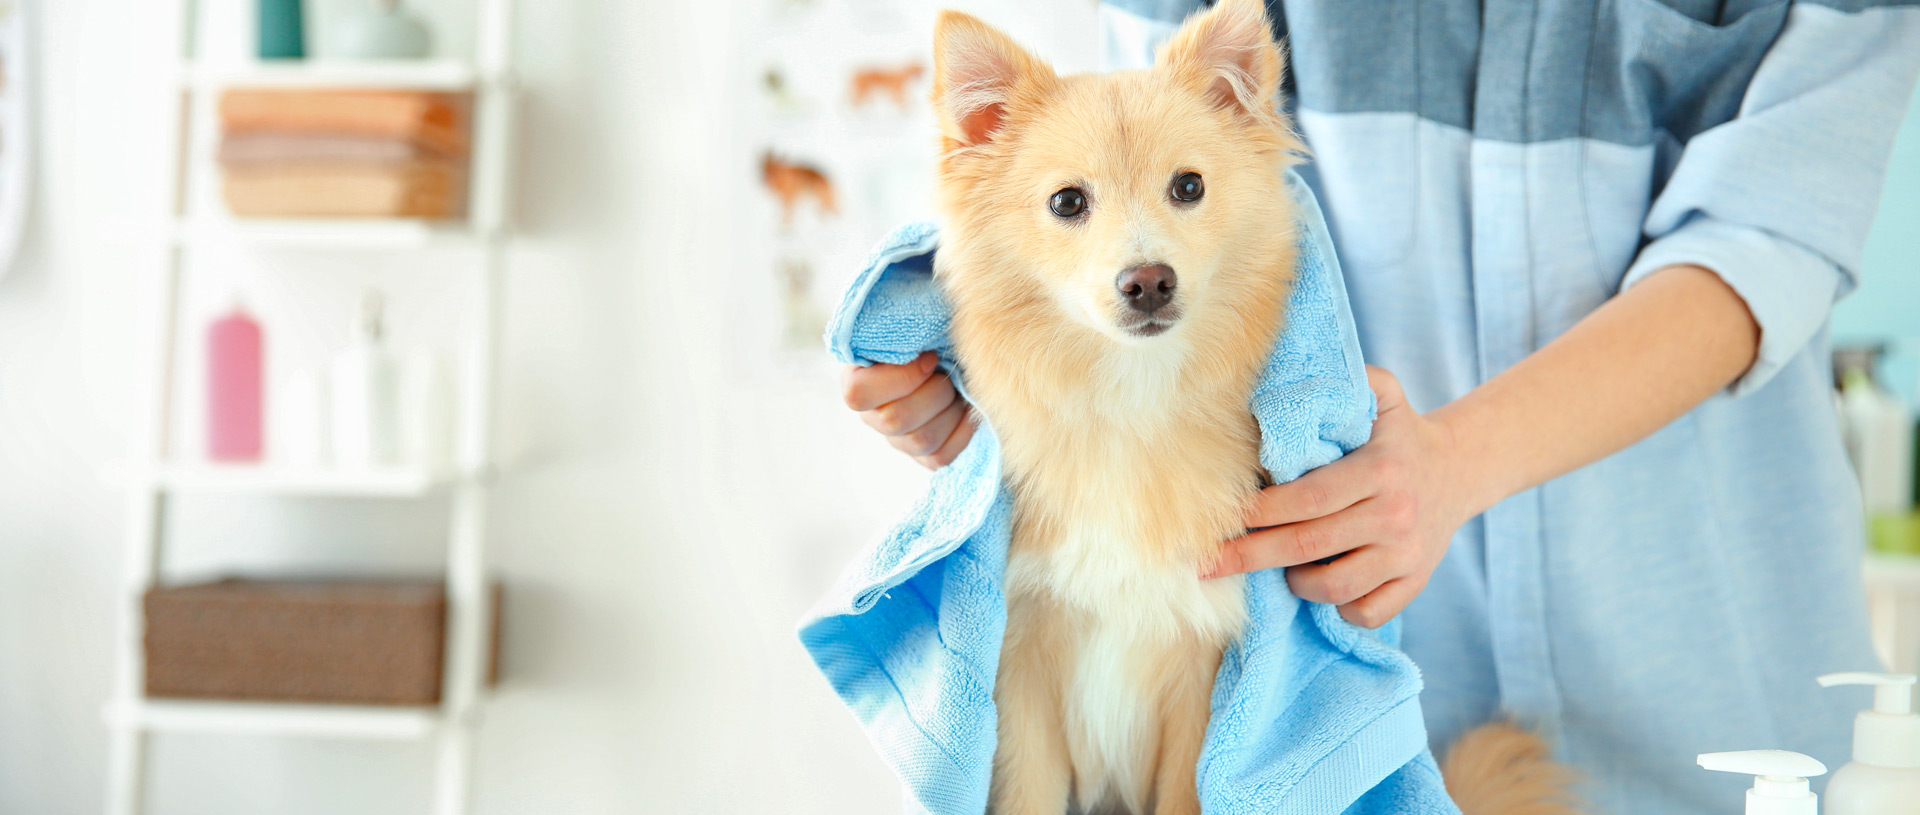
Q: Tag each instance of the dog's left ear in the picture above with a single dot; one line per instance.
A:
(1230, 48)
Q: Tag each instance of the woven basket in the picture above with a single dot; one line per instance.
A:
(376, 642)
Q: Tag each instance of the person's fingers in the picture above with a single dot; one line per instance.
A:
(1384, 603)
(929, 437)
(1386, 388)
(867, 388)
(962, 433)
(1355, 575)
(1290, 545)
(1319, 493)
(913, 411)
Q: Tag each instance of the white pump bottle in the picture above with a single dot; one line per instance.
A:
(366, 396)
(1779, 779)
(1884, 776)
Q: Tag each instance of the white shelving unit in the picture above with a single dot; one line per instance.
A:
(327, 721)
(397, 482)
(331, 233)
(159, 471)
(422, 74)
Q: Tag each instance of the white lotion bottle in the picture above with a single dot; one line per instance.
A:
(426, 410)
(1884, 776)
(366, 396)
(1879, 442)
(1779, 779)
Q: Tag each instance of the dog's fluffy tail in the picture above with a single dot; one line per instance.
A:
(1503, 769)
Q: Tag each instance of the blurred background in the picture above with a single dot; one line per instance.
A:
(455, 292)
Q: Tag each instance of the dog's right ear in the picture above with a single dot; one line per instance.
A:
(977, 73)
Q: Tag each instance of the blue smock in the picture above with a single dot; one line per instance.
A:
(1495, 170)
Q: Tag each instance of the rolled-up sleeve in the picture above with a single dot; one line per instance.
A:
(1778, 200)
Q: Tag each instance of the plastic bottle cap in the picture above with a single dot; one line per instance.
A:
(1889, 734)
(1779, 779)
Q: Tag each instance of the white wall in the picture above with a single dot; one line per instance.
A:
(667, 518)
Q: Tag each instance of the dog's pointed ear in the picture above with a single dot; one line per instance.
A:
(1230, 49)
(977, 71)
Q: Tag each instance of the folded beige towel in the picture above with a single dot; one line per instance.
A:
(269, 148)
(418, 189)
(435, 121)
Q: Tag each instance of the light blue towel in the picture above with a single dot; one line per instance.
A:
(1310, 715)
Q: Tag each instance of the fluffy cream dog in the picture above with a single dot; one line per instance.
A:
(1118, 250)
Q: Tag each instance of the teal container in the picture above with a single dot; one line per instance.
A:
(281, 34)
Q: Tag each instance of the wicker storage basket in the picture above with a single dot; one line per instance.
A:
(375, 642)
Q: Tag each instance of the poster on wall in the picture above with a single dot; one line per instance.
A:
(836, 146)
(16, 126)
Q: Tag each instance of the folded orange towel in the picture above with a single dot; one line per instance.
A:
(418, 189)
(436, 121)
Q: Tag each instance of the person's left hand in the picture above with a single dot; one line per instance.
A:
(1388, 510)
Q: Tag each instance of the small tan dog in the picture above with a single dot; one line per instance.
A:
(892, 81)
(1136, 227)
(791, 181)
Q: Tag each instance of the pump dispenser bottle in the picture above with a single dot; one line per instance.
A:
(1779, 779)
(366, 396)
(1884, 776)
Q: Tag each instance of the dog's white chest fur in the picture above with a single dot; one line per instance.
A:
(1100, 567)
(1128, 611)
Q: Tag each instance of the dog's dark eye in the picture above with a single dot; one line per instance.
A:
(1068, 202)
(1187, 187)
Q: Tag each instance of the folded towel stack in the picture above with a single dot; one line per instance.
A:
(344, 153)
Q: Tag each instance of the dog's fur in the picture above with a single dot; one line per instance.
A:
(1127, 437)
(1505, 770)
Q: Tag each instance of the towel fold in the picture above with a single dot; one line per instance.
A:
(1310, 714)
(416, 189)
(273, 148)
(435, 121)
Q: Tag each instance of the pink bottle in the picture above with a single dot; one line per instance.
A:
(233, 388)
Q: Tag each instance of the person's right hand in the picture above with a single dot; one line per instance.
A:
(914, 406)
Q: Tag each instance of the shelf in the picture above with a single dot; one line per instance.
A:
(276, 718)
(403, 482)
(194, 231)
(1898, 572)
(441, 75)
(326, 233)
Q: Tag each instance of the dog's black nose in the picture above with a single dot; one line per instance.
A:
(1147, 286)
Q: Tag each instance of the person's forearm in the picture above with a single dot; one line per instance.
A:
(1640, 361)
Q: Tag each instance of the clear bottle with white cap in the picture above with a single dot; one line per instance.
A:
(1779, 779)
(1884, 776)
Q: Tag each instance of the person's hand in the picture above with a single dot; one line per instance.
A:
(914, 406)
(1388, 510)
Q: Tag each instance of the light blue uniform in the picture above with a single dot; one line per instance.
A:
(1493, 171)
